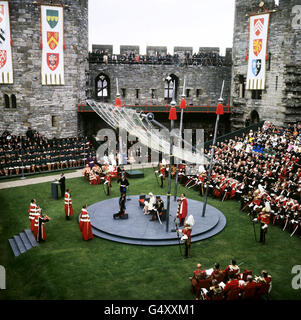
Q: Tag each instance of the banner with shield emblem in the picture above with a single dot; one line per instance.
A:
(6, 64)
(258, 41)
(52, 44)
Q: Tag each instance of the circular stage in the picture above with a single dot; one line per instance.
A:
(139, 230)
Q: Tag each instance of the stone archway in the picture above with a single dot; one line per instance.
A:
(254, 117)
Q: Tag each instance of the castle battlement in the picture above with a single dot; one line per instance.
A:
(155, 50)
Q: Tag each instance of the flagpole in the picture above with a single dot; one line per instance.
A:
(182, 106)
(219, 111)
(172, 117)
(118, 104)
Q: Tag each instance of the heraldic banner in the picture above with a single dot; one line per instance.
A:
(6, 64)
(52, 33)
(258, 38)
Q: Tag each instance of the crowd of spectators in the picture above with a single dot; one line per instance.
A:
(262, 169)
(196, 59)
(35, 153)
(229, 284)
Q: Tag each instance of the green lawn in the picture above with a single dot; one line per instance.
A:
(66, 267)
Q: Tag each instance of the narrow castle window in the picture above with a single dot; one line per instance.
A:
(153, 92)
(6, 101)
(276, 84)
(54, 122)
(168, 87)
(13, 101)
(241, 86)
(102, 83)
(256, 94)
(137, 93)
(123, 90)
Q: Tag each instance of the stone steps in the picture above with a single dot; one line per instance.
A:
(22, 242)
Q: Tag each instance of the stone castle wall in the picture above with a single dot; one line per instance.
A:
(280, 102)
(37, 104)
(52, 110)
(204, 83)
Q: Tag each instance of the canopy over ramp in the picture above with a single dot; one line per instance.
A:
(142, 127)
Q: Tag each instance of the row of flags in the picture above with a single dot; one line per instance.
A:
(52, 45)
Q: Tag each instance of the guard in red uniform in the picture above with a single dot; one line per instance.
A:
(186, 238)
(182, 210)
(68, 205)
(264, 219)
(85, 224)
(162, 175)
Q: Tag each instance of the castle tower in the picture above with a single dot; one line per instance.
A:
(279, 102)
(49, 109)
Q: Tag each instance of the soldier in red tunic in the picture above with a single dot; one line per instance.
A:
(68, 205)
(186, 238)
(264, 219)
(162, 174)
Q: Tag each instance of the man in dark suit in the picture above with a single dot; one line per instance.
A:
(62, 182)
